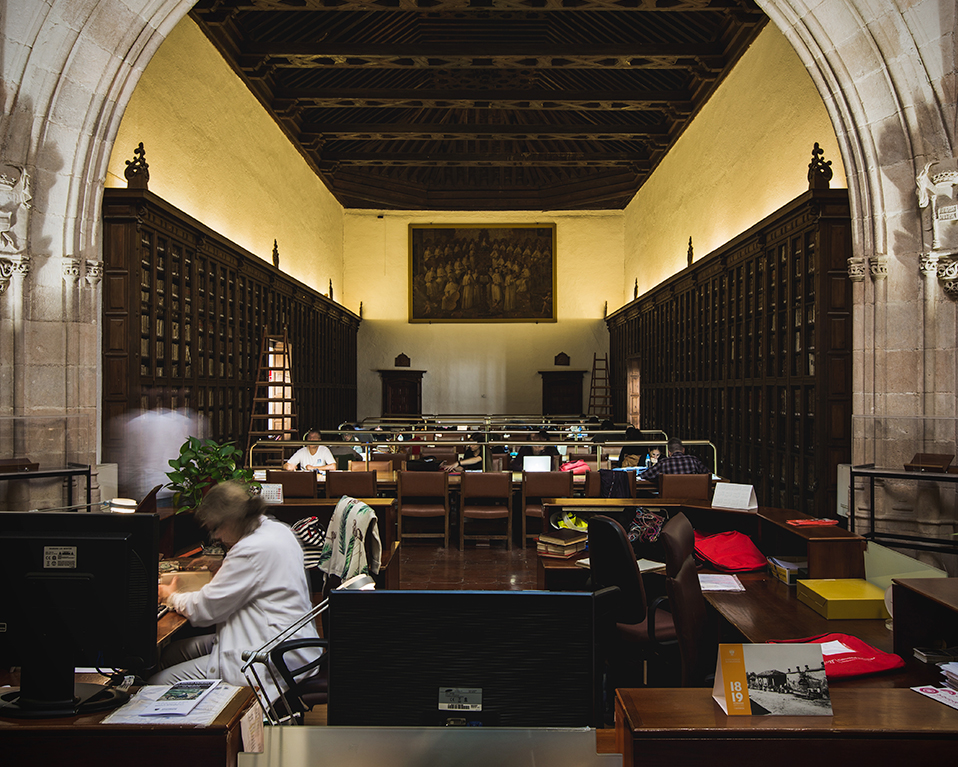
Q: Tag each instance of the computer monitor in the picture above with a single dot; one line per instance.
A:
(78, 590)
(471, 658)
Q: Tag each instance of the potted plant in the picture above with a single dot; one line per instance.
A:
(201, 464)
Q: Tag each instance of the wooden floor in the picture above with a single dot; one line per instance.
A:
(483, 568)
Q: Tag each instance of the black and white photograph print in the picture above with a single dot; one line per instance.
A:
(482, 273)
(787, 679)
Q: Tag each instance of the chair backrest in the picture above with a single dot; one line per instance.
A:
(685, 596)
(397, 461)
(358, 484)
(612, 563)
(691, 486)
(423, 484)
(547, 484)
(380, 468)
(296, 484)
(486, 484)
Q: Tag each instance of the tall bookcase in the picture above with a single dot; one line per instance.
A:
(750, 347)
(184, 310)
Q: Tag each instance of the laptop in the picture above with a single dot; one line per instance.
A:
(537, 463)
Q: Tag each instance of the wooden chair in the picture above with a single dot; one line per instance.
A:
(424, 494)
(696, 487)
(630, 633)
(441, 454)
(397, 461)
(485, 496)
(356, 484)
(381, 468)
(593, 484)
(537, 485)
(686, 600)
(296, 484)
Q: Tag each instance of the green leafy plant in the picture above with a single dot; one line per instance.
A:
(201, 464)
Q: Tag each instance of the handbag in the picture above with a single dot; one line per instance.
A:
(576, 467)
(730, 551)
(849, 655)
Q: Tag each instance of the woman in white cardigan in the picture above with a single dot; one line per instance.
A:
(260, 589)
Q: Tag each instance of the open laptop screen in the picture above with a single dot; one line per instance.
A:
(537, 463)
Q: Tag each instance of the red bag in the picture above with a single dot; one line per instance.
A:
(730, 551)
(860, 659)
(576, 467)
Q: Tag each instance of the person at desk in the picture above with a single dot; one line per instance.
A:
(258, 591)
(471, 458)
(542, 436)
(312, 457)
(631, 455)
(678, 462)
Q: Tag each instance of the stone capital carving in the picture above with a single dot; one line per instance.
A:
(878, 266)
(6, 271)
(928, 264)
(15, 204)
(94, 273)
(948, 276)
(938, 190)
(856, 269)
(71, 269)
(21, 266)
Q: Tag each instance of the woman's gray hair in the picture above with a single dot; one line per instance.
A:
(232, 504)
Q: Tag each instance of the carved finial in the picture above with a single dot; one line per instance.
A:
(360, 310)
(275, 254)
(690, 251)
(330, 289)
(635, 290)
(819, 169)
(137, 170)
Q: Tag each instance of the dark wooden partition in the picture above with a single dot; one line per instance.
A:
(184, 310)
(750, 347)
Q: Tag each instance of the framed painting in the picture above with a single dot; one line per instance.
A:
(482, 273)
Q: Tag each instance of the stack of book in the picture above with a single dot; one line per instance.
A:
(564, 543)
(936, 654)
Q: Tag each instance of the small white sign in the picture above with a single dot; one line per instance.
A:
(59, 557)
(460, 699)
(728, 495)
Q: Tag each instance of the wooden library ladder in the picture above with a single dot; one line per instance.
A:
(274, 414)
(600, 394)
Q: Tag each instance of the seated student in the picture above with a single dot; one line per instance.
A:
(541, 436)
(312, 457)
(678, 462)
(631, 455)
(258, 591)
(471, 457)
(653, 457)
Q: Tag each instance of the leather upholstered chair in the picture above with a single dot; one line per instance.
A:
(537, 485)
(296, 484)
(356, 484)
(633, 636)
(686, 600)
(696, 487)
(485, 496)
(424, 494)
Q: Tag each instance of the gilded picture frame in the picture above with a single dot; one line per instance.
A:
(482, 273)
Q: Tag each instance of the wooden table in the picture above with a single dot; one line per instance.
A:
(925, 613)
(82, 740)
(832, 551)
(665, 728)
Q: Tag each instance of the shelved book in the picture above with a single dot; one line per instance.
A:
(562, 542)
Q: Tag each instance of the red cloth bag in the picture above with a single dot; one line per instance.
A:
(730, 551)
(861, 658)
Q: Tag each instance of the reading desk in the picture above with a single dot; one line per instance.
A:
(657, 727)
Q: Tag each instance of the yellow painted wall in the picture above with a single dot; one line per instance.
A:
(744, 156)
(216, 154)
(480, 368)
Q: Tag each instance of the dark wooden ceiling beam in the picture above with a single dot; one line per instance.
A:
(410, 131)
(219, 7)
(259, 57)
(600, 101)
(390, 159)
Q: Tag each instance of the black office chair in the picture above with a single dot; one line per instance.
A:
(687, 602)
(303, 693)
(633, 636)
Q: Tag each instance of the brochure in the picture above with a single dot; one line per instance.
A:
(182, 697)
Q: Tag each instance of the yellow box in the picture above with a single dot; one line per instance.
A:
(848, 598)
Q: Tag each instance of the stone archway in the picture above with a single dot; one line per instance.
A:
(71, 65)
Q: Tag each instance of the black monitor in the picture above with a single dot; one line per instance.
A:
(471, 658)
(76, 590)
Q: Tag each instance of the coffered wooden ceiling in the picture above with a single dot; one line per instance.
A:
(482, 104)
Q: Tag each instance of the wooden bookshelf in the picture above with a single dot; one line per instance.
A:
(184, 311)
(750, 347)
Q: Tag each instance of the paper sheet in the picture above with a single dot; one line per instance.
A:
(144, 699)
(719, 582)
